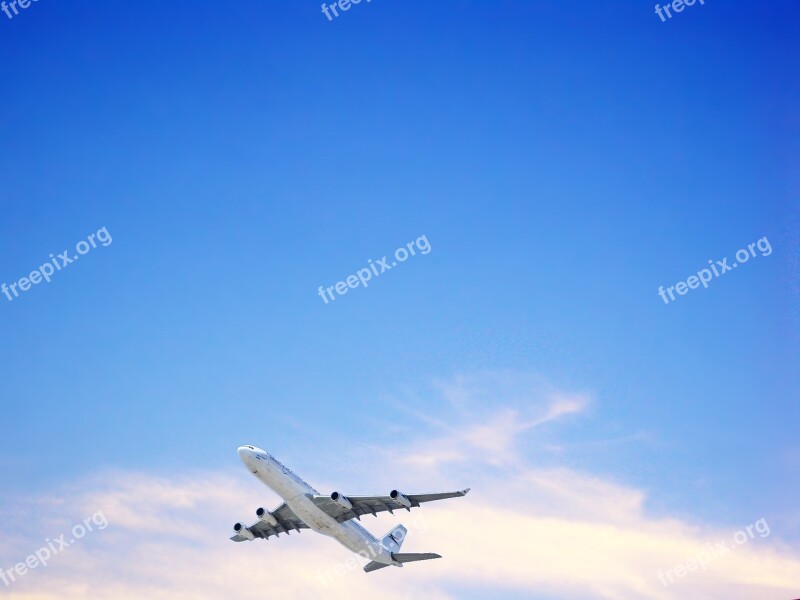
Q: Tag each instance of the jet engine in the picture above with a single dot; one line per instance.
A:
(266, 516)
(342, 501)
(243, 531)
(400, 498)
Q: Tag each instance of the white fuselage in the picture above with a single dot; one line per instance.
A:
(295, 492)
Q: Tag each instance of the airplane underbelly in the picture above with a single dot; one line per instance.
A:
(323, 523)
(312, 516)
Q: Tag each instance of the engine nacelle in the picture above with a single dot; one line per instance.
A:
(267, 517)
(342, 501)
(400, 498)
(243, 531)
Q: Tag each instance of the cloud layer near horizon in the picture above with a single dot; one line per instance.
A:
(536, 532)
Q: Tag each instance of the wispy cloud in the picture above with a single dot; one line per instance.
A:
(485, 416)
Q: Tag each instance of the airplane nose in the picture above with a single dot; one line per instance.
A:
(244, 452)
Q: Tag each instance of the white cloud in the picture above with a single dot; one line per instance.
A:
(555, 531)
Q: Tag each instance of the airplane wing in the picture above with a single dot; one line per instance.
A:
(287, 521)
(371, 505)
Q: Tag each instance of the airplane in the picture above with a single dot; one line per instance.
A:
(305, 508)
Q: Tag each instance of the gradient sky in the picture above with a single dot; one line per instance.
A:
(564, 160)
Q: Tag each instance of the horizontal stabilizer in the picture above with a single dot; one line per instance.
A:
(410, 557)
(374, 566)
(401, 557)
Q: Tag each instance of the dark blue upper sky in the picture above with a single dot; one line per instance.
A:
(563, 159)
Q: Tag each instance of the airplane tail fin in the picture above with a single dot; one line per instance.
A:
(401, 558)
(393, 540)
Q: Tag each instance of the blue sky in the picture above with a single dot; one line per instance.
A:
(563, 160)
